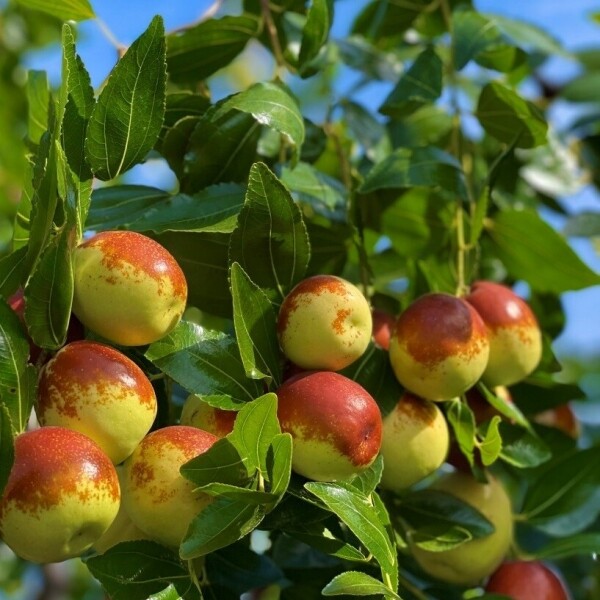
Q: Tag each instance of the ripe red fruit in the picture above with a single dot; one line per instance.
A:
(335, 424)
(98, 391)
(526, 580)
(514, 334)
(62, 495)
(383, 325)
(439, 347)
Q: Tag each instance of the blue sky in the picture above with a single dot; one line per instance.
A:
(568, 21)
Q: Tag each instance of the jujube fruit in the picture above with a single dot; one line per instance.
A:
(439, 347)
(526, 580)
(128, 288)
(324, 323)
(334, 422)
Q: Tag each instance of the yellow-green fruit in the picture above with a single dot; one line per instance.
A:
(414, 444)
(62, 495)
(122, 529)
(96, 390)
(439, 347)
(324, 323)
(128, 288)
(472, 561)
(197, 413)
(159, 500)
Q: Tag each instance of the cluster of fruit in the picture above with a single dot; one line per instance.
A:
(93, 475)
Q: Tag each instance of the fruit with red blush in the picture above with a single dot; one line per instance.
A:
(514, 334)
(334, 422)
(383, 325)
(414, 443)
(128, 288)
(62, 495)
(159, 500)
(439, 347)
(474, 560)
(200, 414)
(560, 417)
(526, 580)
(98, 391)
(324, 323)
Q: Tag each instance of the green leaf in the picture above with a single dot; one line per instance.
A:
(583, 88)
(355, 583)
(38, 100)
(318, 536)
(254, 430)
(236, 493)
(169, 593)
(440, 521)
(315, 34)
(270, 104)
(198, 52)
(577, 545)
(141, 208)
(491, 445)
(420, 85)
(462, 421)
(325, 194)
(204, 362)
(279, 463)
(565, 499)
(532, 250)
(410, 167)
(255, 328)
(221, 463)
(522, 448)
(360, 516)
(359, 54)
(418, 223)
(7, 446)
(136, 570)
(270, 241)
(128, 116)
(49, 292)
(508, 117)
(79, 101)
(203, 257)
(584, 224)
(509, 409)
(65, 10)
(220, 148)
(368, 480)
(17, 378)
(221, 523)
(11, 271)
(475, 36)
(479, 214)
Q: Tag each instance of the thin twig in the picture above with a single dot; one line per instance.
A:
(272, 31)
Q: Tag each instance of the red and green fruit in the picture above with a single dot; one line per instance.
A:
(128, 288)
(474, 560)
(383, 325)
(159, 500)
(62, 495)
(198, 413)
(335, 424)
(324, 323)
(526, 580)
(96, 390)
(439, 347)
(414, 443)
(513, 331)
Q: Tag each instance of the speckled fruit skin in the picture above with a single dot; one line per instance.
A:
(122, 529)
(439, 347)
(159, 500)
(96, 390)
(334, 422)
(383, 325)
(514, 334)
(324, 323)
(62, 495)
(415, 442)
(200, 414)
(526, 580)
(472, 561)
(128, 288)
